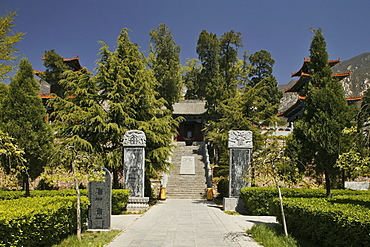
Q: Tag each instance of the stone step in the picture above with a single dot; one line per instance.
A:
(186, 186)
(184, 196)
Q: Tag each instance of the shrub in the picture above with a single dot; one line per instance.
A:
(258, 199)
(119, 200)
(38, 221)
(119, 196)
(328, 222)
(223, 187)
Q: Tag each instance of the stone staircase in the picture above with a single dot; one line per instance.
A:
(186, 186)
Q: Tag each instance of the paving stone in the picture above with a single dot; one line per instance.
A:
(186, 222)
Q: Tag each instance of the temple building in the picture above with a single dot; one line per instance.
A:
(193, 111)
(292, 113)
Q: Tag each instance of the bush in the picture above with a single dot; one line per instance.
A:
(340, 221)
(258, 199)
(119, 200)
(119, 196)
(39, 221)
(223, 187)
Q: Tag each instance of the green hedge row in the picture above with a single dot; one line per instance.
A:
(258, 199)
(39, 221)
(119, 196)
(338, 221)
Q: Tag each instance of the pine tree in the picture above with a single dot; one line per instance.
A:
(79, 122)
(326, 114)
(165, 62)
(191, 73)
(22, 116)
(262, 77)
(229, 44)
(8, 41)
(128, 88)
(209, 80)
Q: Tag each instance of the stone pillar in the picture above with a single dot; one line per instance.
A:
(240, 145)
(100, 196)
(134, 142)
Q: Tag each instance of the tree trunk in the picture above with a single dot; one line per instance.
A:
(26, 185)
(78, 205)
(281, 200)
(115, 178)
(327, 183)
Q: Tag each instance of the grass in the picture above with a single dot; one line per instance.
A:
(90, 239)
(271, 236)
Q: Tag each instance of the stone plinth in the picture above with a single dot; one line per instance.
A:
(100, 196)
(357, 185)
(234, 204)
(137, 204)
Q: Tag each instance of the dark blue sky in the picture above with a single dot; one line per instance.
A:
(280, 27)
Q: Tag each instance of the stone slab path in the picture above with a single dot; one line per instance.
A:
(185, 222)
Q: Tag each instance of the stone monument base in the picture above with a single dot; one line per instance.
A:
(137, 204)
(235, 204)
(357, 185)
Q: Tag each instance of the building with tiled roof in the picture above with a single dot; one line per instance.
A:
(292, 113)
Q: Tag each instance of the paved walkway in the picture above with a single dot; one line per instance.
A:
(185, 222)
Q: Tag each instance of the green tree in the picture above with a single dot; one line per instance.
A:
(3, 91)
(11, 157)
(191, 72)
(165, 62)
(8, 40)
(79, 122)
(229, 44)
(55, 67)
(22, 116)
(326, 113)
(209, 79)
(261, 76)
(270, 164)
(128, 88)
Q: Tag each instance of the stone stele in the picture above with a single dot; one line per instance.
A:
(240, 143)
(134, 143)
(100, 196)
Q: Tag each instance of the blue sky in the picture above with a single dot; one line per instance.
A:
(280, 27)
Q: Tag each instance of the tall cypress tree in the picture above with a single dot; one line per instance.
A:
(8, 40)
(128, 88)
(262, 77)
(22, 116)
(165, 62)
(326, 114)
(209, 79)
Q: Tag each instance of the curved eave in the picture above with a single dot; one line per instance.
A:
(342, 75)
(299, 84)
(297, 87)
(75, 61)
(293, 109)
(306, 62)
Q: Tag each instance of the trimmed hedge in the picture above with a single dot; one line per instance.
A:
(258, 199)
(119, 200)
(340, 221)
(119, 196)
(39, 221)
